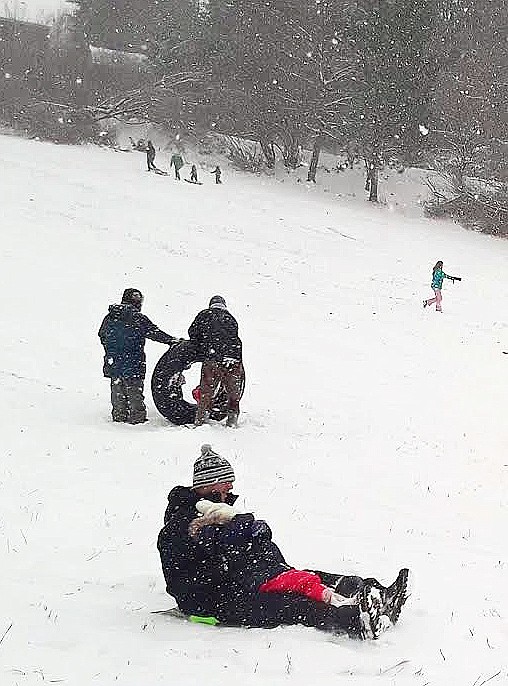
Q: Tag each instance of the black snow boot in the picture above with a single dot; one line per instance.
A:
(396, 595)
(372, 616)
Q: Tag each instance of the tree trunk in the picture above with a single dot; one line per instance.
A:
(268, 152)
(311, 176)
(371, 183)
(291, 151)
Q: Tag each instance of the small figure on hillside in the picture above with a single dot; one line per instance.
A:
(438, 277)
(150, 156)
(217, 171)
(177, 163)
(194, 174)
(214, 331)
(123, 333)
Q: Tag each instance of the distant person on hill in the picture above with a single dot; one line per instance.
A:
(438, 277)
(194, 174)
(150, 156)
(214, 331)
(217, 171)
(123, 333)
(177, 163)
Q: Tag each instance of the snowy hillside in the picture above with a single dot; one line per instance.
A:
(372, 436)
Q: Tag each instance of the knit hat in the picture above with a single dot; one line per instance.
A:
(210, 468)
(217, 301)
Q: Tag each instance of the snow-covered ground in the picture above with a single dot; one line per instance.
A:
(373, 433)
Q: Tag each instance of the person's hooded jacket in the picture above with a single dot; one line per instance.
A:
(123, 333)
(209, 573)
(214, 331)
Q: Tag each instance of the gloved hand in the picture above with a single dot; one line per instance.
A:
(176, 341)
(206, 507)
(458, 278)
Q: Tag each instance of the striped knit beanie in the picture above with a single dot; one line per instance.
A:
(211, 468)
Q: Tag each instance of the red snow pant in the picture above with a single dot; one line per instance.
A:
(297, 581)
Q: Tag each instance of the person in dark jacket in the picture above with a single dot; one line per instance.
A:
(123, 333)
(176, 162)
(214, 331)
(194, 174)
(252, 550)
(210, 575)
(150, 156)
(218, 173)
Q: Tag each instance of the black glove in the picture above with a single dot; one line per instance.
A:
(457, 278)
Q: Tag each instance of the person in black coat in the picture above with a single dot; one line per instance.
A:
(207, 577)
(123, 333)
(150, 156)
(214, 332)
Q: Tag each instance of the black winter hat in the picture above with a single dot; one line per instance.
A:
(210, 468)
(217, 301)
(132, 296)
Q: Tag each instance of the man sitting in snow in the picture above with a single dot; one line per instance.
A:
(123, 333)
(212, 574)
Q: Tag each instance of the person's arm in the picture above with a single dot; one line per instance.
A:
(452, 278)
(236, 534)
(153, 332)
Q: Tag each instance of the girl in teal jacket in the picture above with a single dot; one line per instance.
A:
(438, 276)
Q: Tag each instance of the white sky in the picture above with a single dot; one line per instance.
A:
(33, 10)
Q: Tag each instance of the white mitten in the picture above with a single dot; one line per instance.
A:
(222, 510)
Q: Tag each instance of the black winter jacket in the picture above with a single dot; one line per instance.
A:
(215, 333)
(123, 333)
(196, 575)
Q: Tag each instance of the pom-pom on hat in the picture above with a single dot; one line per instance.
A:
(210, 468)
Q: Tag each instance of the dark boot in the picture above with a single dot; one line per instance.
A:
(232, 419)
(119, 404)
(374, 621)
(136, 400)
(202, 416)
(396, 595)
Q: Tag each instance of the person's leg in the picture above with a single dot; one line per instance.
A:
(299, 582)
(268, 610)
(136, 401)
(120, 409)
(177, 174)
(232, 378)
(346, 585)
(439, 298)
(307, 584)
(208, 382)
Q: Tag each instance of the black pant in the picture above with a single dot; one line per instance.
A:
(235, 606)
(150, 159)
(177, 174)
(268, 610)
(127, 401)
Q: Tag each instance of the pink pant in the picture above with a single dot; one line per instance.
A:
(296, 581)
(437, 299)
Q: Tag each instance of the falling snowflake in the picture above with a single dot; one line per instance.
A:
(423, 129)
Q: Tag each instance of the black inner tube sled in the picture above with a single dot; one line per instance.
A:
(167, 381)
